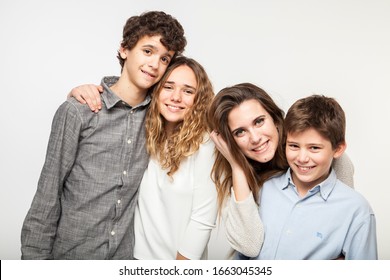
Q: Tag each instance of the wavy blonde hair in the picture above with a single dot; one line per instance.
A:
(188, 134)
(256, 173)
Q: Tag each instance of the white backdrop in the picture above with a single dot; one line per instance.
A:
(339, 48)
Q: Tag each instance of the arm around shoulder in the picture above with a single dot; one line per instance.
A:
(344, 169)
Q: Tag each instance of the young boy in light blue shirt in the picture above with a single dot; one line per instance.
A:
(307, 212)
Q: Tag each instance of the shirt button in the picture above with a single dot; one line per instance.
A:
(124, 172)
(112, 232)
(119, 201)
(131, 112)
(129, 141)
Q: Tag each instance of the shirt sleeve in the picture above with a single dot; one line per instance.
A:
(40, 225)
(244, 228)
(344, 169)
(361, 242)
(204, 206)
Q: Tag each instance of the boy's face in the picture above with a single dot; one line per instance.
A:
(146, 62)
(310, 157)
(254, 131)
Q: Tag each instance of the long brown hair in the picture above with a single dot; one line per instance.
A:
(190, 133)
(256, 172)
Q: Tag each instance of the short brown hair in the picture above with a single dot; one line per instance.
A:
(324, 114)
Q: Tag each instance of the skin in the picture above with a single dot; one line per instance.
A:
(256, 135)
(144, 66)
(310, 157)
(177, 96)
(254, 131)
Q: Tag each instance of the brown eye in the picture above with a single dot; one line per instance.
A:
(165, 60)
(238, 132)
(259, 121)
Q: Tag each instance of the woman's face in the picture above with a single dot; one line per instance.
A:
(254, 131)
(177, 95)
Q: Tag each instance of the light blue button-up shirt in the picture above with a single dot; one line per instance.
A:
(332, 219)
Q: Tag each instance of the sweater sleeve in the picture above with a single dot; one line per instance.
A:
(344, 169)
(204, 206)
(244, 228)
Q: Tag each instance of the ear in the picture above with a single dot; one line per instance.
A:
(123, 52)
(340, 150)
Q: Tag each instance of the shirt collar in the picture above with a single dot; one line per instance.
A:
(111, 99)
(325, 187)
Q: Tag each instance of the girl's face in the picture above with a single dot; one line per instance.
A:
(177, 96)
(254, 131)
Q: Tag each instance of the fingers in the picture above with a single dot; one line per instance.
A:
(88, 94)
(222, 147)
(78, 97)
(214, 135)
(218, 141)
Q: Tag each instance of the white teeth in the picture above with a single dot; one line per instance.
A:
(303, 168)
(173, 107)
(260, 148)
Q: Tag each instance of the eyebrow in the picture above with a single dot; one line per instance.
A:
(306, 144)
(188, 86)
(240, 127)
(155, 48)
(149, 46)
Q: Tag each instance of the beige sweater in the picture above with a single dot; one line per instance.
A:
(244, 228)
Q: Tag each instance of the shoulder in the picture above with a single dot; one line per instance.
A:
(206, 149)
(344, 169)
(71, 105)
(203, 158)
(351, 198)
(65, 111)
(278, 179)
(207, 144)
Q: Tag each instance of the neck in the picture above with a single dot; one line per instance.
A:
(129, 93)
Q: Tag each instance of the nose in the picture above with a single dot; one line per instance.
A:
(154, 62)
(303, 156)
(254, 137)
(176, 96)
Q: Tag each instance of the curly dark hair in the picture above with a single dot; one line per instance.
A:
(151, 24)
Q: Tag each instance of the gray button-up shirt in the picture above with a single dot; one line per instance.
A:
(88, 188)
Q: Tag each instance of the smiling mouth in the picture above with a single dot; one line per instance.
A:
(174, 108)
(261, 148)
(147, 73)
(304, 168)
